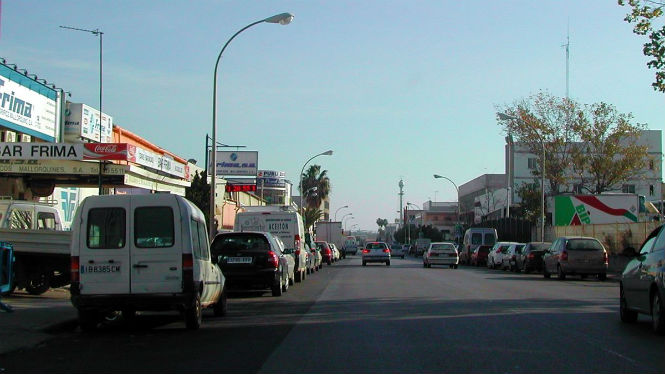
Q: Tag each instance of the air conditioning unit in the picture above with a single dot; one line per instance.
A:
(7, 136)
(26, 138)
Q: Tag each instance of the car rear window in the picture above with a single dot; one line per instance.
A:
(153, 227)
(376, 245)
(442, 247)
(236, 243)
(106, 228)
(583, 245)
(540, 247)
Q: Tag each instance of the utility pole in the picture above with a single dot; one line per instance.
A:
(401, 195)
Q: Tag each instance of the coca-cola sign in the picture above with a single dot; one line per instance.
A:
(106, 151)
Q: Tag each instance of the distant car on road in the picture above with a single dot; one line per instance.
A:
(376, 252)
(531, 257)
(398, 250)
(642, 285)
(509, 260)
(495, 256)
(473, 238)
(479, 255)
(441, 253)
(326, 252)
(575, 255)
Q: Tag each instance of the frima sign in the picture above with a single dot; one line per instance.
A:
(41, 151)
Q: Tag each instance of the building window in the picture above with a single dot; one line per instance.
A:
(628, 188)
(533, 163)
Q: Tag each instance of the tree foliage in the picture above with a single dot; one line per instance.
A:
(608, 153)
(643, 14)
(311, 178)
(414, 232)
(382, 222)
(312, 215)
(530, 195)
(199, 193)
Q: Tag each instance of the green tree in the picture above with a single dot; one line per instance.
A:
(544, 121)
(608, 153)
(199, 194)
(530, 196)
(311, 178)
(643, 14)
(382, 222)
(312, 215)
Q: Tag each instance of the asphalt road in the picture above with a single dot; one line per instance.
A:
(379, 319)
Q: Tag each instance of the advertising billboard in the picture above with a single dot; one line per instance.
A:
(83, 122)
(271, 178)
(574, 210)
(237, 163)
(26, 105)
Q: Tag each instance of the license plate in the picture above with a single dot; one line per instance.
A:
(239, 260)
(110, 268)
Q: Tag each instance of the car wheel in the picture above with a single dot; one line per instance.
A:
(602, 276)
(194, 314)
(657, 314)
(364, 263)
(452, 266)
(88, 320)
(219, 309)
(277, 288)
(424, 265)
(429, 266)
(560, 274)
(402, 257)
(292, 280)
(626, 314)
(388, 263)
(298, 276)
(546, 274)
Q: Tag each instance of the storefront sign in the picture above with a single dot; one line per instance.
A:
(237, 163)
(83, 122)
(58, 167)
(26, 105)
(41, 151)
(240, 187)
(271, 178)
(108, 151)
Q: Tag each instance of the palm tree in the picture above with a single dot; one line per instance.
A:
(316, 186)
(311, 216)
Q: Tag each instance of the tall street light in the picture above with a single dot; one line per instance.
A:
(350, 218)
(302, 193)
(507, 117)
(345, 206)
(437, 176)
(421, 212)
(99, 33)
(282, 19)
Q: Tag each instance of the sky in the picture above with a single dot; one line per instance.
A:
(397, 89)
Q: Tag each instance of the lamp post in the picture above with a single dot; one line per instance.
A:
(347, 222)
(302, 193)
(506, 117)
(345, 206)
(421, 212)
(282, 19)
(437, 176)
(99, 33)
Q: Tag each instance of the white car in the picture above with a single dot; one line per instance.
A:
(336, 254)
(495, 256)
(142, 252)
(376, 252)
(441, 253)
(509, 259)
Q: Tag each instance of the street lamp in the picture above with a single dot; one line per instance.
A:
(345, 206)
(282, 19)
(302, 194)
(421, 212)
(437, 176)
(347, 222)
(98, 33)
(507, 117)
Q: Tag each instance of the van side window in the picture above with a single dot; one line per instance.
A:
(203, 240)
(476, 238)
(46, 221)
(153, 227)
(106, 228)
(20, 219)
(490, 239)
(196, 245)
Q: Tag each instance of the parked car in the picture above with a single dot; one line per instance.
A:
(376, 252)
(398, 250)
(252, 260)
(575, 255)
(291, 260)
(642, 284)
(474, 237)
(509, 259)
(495, 255)
(326, 252)
(335, 251)
(531, 257)
(441, 253)
(142, 252)
(479, 255)
(311, 259)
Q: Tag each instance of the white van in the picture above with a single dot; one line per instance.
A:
(282, 221)
(475, 237)
(142, 252)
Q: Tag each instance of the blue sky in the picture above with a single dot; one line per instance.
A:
(397, 89)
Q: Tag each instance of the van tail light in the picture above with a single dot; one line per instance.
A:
(296, 242)
(74, 269)
(564, 256)
(605, 259)
(187, 272)
(273, 260)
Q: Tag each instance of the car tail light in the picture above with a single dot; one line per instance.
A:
(74, 269)
(513, 257)
(498, 250)
(296, 241)
(188, 272)
(564, 256)
(272, 259)
(386, 250)
(531, 255)
(365, 250)
(605, 259)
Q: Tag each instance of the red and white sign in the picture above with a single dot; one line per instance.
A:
(109, 151)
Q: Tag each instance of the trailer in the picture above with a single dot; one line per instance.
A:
(331, 232)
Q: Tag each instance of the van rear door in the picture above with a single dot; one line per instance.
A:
(156, 246)
(104, 266)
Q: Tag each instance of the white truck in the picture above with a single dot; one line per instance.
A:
(41, 247)
(331, 232)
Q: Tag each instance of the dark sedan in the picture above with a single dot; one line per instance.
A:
(531, 257)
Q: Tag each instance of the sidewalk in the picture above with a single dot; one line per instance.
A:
(33, 316)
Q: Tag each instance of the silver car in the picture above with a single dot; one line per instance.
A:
(398, 250)
(376, 252)
(575, 255)
(441, 253)
(642, 287)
